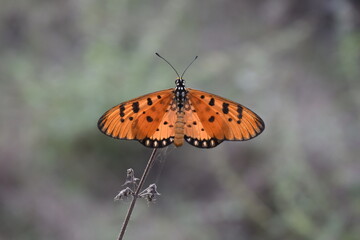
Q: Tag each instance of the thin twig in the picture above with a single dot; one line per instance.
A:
(136, 194)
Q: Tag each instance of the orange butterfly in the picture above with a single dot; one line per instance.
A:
(171, 116)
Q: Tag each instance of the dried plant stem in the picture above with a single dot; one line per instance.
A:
(136, 194)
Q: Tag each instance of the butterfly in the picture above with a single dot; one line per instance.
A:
(181, 114)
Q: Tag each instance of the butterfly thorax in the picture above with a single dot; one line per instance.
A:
(180, 94)
(180, 98)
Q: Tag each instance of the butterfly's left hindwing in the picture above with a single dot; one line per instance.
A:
(141, 119)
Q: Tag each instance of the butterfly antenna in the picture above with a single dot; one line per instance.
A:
(188, 66)
(168, 63)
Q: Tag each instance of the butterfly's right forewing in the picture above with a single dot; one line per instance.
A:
(138, 118)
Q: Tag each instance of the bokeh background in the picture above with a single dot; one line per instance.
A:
(63, 63)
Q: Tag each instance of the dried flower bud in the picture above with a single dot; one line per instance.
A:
(150, 193)
(123, 194)
(130, 177)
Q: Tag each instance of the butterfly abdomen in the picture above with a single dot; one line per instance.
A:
(179, 129)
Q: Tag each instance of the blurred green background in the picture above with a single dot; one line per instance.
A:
(63, 63)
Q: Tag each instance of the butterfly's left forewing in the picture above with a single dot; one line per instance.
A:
(141, 119)
(218, 119)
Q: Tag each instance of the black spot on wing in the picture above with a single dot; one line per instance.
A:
(212, 102)
(135, 107)
(212, 119)
(149, 101)
(225, 108)
(239, 110)
(122, 110)
(149, 119)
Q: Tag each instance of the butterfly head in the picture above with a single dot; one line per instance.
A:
(180, 82)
